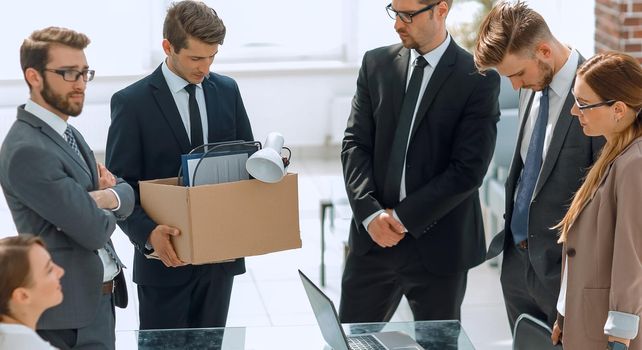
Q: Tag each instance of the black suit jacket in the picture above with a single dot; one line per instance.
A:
(568, 157)
(145, 141)
(450, 148)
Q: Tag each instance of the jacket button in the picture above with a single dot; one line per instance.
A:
(570, 252)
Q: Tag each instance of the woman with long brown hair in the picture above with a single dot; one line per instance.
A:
(29, 284)
(601, 296)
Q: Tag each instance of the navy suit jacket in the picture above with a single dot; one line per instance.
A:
(146, 140)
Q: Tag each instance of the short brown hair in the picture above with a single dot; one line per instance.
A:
(192, 18)
(509, 28)
(428, 2)
(15, 269)
(34, 51)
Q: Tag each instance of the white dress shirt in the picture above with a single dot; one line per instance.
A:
(433, 57)
(55, 122)
(17, 336)
(176, 86)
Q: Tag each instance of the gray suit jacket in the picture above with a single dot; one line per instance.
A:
(569, 155)
(47, 188)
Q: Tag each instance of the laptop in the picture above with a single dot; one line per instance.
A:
(333, 333)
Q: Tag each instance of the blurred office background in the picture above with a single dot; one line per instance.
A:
(296, 63)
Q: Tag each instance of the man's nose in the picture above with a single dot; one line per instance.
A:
(517, 83)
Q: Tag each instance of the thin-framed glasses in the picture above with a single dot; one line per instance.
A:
(582, 107)
(73, 75)
(406, 17)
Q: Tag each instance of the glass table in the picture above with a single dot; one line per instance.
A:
(442, 335)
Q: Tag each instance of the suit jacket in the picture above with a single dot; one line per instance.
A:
(146, 140)
(604, 251)
(449, 151)
(47, 188)
(569, 155)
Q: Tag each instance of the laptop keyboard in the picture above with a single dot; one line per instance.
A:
(364, 342)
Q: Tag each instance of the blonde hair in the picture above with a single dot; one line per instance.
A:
(612, 76)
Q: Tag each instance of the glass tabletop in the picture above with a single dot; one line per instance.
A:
(442, 335)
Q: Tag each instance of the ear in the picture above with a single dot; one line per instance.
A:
(33, 77)
(167, 47)
(619, 108)
(543, 51)
(20, 296)
(442, 9)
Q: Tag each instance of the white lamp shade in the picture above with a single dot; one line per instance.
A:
(266, 164)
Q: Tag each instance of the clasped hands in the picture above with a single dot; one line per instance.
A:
(385, 230)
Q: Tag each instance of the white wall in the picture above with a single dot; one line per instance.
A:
(292, 97)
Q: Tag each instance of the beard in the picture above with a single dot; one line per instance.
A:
(547, 75)
(59, 102)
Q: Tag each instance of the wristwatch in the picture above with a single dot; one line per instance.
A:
(616, 345)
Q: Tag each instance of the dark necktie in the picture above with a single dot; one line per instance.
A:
(530, 173)
(112, 254)
(196, 127)
(400, 142)
(71, 140)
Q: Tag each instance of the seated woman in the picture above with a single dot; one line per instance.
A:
(601, 294)
(29, 285)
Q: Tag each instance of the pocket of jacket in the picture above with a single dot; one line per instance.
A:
(595, 307)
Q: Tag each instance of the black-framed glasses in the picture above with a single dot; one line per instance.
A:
(582, 107)
(406, 17)
(73, 74)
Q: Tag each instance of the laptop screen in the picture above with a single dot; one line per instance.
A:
(326, 315)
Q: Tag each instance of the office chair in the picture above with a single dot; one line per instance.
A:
(532, 334)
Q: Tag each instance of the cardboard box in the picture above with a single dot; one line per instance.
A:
(226, 221)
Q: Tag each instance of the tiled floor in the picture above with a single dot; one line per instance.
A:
(270, 293)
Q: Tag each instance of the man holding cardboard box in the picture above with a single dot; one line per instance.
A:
(179, 106)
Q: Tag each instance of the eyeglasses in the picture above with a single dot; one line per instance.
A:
(73, 75)
(582, 107)
(406, 17)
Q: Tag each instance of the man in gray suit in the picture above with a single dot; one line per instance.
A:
(550, 158)
(56, 190)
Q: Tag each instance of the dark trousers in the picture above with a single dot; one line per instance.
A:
(373, 284)
(524, 291)
(202, 302)
(99, 334)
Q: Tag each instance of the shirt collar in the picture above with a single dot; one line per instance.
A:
(175, 82)
(433, 56)
(563, 80)
(54, 121)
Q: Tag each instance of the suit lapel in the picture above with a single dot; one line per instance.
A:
(559, 134)
(554, 148)
(441, 72)
(210, 91)
(168, 109)
(53, 135)
(88, 155)
(525, 100)
(400, 75)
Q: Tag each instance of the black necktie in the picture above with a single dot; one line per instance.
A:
(400, 141)
(196, 127)
(530, 173)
